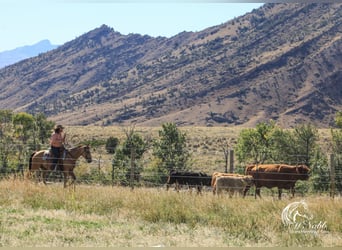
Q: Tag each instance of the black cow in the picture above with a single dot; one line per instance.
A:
(192, 179)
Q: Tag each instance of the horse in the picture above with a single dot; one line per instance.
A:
(38, 164)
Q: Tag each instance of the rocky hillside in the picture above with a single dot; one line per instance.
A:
(281, 62)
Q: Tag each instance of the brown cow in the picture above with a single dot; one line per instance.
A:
(233, 184)
(281, 176)
(215, 175)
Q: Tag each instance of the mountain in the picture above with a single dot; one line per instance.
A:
(12, 56)
(281, 61)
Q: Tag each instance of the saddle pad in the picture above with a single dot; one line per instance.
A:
(46, 155)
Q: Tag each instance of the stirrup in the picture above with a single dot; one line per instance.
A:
(55, 168)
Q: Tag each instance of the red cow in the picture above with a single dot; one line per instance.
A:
(281, 176)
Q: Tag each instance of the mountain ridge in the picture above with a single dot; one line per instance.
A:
(280, 61)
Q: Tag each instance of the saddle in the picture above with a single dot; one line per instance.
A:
(48, 154)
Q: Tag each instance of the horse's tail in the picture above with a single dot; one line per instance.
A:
(30, 161)
(28, 174)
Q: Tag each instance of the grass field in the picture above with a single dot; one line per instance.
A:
(33, 215)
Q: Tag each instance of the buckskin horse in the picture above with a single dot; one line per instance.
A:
(38, 164)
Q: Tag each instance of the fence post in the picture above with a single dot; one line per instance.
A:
(332, 175)
(113, 168)
(226, 156)
(231, 161)
(132, 166)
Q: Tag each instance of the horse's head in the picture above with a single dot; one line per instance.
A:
(86, 153)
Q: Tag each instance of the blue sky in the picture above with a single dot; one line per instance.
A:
(26, 22)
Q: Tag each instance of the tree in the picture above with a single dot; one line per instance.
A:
(171, 148)
(126, 157)
(336, 135)
(111, 144)
(43, 127)
(136, 142)
(23, 125)
(268, 143)
(338, 119)
(120, 164)
(6, 138)
(320, 177)
(19, 134)
(305, 138)
(283, 147)
(255, 145)
(225, 149)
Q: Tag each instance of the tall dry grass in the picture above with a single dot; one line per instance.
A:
(37, 215)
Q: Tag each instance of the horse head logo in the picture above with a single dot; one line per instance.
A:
(295, 212)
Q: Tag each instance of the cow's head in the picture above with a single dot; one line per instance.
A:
(172, 177)
(249, 180)
(249, 168)
(303, 172)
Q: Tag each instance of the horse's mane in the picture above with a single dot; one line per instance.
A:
(77, 146)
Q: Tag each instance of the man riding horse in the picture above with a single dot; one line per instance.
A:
(56, 142)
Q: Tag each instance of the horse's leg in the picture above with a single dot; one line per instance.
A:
(35, 175)
(34, 172)
(45, 174)
(28, 174)
(73, 176)
(66, 175)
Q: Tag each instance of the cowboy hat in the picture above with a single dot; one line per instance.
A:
(59, 126)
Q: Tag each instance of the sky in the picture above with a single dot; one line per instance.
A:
(26, 22)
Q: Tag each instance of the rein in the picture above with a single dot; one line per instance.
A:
(69, 152)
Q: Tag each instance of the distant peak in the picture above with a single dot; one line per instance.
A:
(44, 42)
(101, 31)
(105, 28)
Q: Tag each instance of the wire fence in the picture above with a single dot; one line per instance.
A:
(158, 180)
(102, 172)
